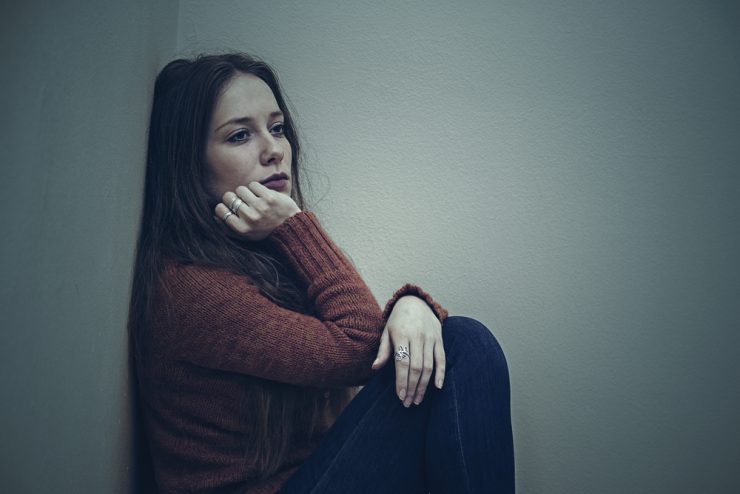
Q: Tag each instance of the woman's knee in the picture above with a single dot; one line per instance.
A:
(468, 339)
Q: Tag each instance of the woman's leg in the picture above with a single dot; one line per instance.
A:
(469, 441)
(458, 440)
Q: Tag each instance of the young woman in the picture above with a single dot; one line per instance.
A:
(251, 328)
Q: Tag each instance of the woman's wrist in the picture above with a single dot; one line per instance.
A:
(416, 292)
(410, 300)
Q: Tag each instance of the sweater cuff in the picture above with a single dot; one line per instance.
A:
(409, 289)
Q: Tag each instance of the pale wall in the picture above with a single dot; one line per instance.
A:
(567, 172)
(75, 90)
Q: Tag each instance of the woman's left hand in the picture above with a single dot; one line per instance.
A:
(413, 326)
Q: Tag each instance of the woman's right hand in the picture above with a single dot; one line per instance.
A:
(262, 210)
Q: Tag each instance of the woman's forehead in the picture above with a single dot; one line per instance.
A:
(245, 95)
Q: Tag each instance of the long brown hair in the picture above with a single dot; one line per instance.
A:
(177, 224)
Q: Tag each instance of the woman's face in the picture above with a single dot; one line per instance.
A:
(245, 141)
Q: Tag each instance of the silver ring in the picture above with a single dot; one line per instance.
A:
(239, 203)
(226, 216)
(402, 353)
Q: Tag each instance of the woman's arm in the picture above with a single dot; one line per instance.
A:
(217, 319)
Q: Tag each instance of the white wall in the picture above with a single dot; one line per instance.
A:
(75, 91)
(566, 172)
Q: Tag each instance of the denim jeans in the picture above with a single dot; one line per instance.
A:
(458, 440)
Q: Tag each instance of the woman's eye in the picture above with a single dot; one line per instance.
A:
(278, 129)
(240, 136)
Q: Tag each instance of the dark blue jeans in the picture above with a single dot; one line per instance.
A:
(458, 440)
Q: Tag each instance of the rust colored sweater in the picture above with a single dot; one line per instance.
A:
(212, 334)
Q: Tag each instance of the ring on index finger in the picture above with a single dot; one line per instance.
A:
(402, 353)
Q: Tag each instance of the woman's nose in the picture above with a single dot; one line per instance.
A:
(272, 151)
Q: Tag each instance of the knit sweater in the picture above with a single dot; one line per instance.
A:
(212, 334)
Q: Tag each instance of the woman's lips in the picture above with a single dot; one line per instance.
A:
(276, 181)
(277, 184)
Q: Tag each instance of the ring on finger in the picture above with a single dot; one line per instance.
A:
(402, 353)
(236, 204)
(226, 216)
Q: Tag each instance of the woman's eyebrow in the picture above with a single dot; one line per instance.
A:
(246, 120)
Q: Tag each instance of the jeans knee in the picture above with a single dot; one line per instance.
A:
(466, 339)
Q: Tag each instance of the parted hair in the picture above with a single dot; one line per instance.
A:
(177, 224)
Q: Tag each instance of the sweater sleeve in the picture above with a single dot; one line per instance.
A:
(219, 320)
(409, 289)
(304, 265)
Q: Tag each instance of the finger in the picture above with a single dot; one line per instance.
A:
(402, 369)
(440, 361)
(416, 351)
(225, 215)
(384, 351)
(264, 197)
(252, 211)
(426, 371)
(260, 190)
(233, 202)
(246, 195)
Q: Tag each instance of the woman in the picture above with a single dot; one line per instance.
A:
(250, 327)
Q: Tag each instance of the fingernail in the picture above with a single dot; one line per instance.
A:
(417, 401)
(439, 383)
(402, 394)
